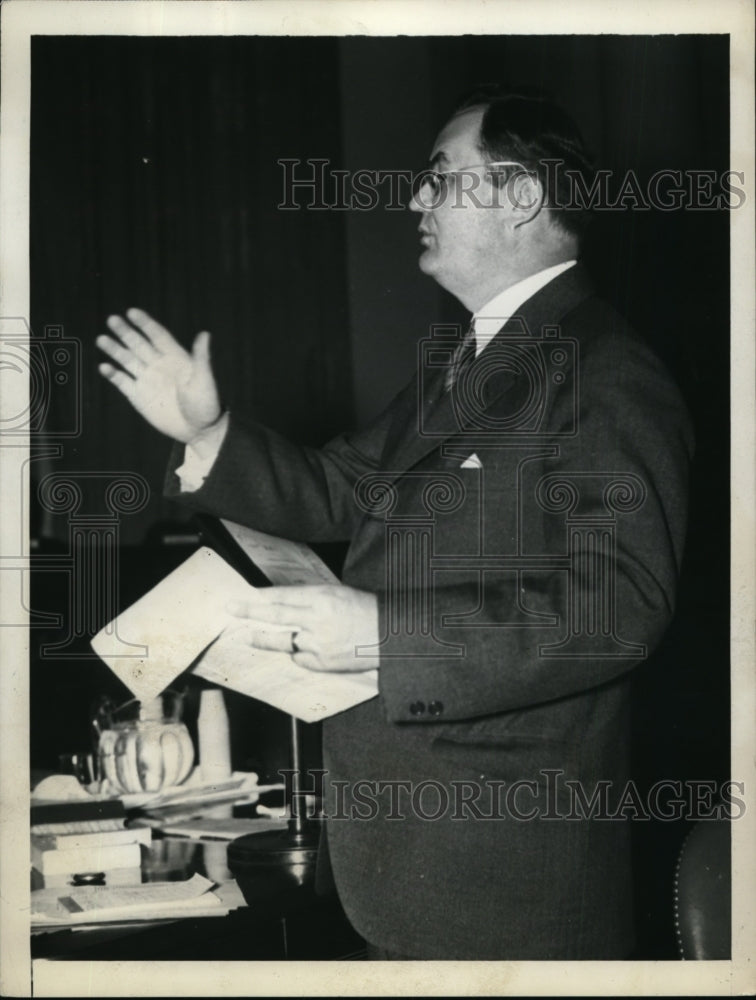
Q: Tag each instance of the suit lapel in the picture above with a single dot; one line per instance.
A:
(431, 418)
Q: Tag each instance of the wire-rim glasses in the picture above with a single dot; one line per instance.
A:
(436, 180)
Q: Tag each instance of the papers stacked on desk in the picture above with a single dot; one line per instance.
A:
(240, 786)
(113, 853)
(83, 836)
(209, 828)
(101, 904)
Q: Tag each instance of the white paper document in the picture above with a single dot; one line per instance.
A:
(85, 905)
(88, 898)
(149, 644)
(158, 637)
(274, 678)
(283, 562)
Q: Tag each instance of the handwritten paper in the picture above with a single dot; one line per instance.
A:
(283, 562)
(274, 678)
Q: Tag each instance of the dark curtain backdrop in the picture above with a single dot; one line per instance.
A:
(155, 182)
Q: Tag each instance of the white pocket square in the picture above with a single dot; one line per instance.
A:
(473, 462)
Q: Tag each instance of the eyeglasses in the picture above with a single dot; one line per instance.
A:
(436, 180)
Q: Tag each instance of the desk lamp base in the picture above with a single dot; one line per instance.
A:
(284, 857)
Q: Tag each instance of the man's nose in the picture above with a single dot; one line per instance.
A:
(420, 200)
(413, 204)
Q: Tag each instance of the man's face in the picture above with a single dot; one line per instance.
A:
(465, 237)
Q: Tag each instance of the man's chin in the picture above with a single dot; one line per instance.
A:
(428, 262)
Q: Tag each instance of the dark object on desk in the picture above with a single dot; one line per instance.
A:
(82, 765)
(76, 811)
(89, 878)
(279, 859)
(288, 856)
(703, 891)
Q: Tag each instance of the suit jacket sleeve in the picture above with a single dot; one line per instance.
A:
(262, 480)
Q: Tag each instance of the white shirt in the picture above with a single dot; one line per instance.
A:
(494, 314)
(198, 460)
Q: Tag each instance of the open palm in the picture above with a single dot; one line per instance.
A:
(173, 389)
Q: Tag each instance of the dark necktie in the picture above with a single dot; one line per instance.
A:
(463, 355)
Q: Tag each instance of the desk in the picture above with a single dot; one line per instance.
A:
(289, 924)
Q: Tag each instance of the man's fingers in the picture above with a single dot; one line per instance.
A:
(240, 609)
(264, 635)
(119, 379)
(303, 594)
(125, 358)
(257, 635)
(265, 610)
(201, 347)
(139, 346)
(308, 660)
(118, 325)
(308, 601)
(156, 333)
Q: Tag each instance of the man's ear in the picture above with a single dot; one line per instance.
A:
(525, 195)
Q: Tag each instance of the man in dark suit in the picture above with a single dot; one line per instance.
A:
(516, 520)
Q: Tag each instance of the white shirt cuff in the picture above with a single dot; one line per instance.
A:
(200, 454)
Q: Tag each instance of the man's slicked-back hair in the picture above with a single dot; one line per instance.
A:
(528, 127)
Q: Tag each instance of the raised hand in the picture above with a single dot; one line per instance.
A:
(174, 390)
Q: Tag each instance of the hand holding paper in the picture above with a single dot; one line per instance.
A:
(325, 628)
(187, 614)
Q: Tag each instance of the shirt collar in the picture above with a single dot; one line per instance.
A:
(494, 314)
